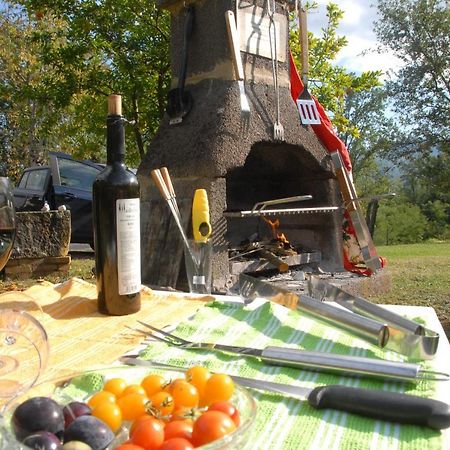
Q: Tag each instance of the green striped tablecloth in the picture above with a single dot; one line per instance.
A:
(286, 423)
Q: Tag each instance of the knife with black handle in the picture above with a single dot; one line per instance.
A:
(382, 405)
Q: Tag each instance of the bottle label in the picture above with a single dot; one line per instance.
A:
(128, 245)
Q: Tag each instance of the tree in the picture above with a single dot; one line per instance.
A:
(399, 222)
(378, 133)
(27, 115)
(108, 46)
(418, 32)
(335, 81)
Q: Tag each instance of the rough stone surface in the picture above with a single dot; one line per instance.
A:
(21, 268)
(42, 234)
(217, 148)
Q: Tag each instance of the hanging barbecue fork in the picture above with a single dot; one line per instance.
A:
(278, 129)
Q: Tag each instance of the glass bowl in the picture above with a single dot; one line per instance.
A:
(24, 352)
(81, 387)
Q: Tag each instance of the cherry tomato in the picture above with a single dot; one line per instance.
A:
(148, 434)
(133, 389)
(178, 428)
(185, 394)
(140, 419)
(169, 386)
(153, 383)
(128, 446)
(101, 397)
(115, 385)
(185, 413)
(198, 376)
(109, 413)
(162, 403)
(133, 406)
(228, 408)
(219, 387)
(210, 426)
(177, 444)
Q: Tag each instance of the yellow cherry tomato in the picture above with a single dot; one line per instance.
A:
(115, 385)
(109, 413)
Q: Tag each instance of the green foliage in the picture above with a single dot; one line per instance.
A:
(399, 222)
(27, 114)
(328, 82)
(438, 215)
(105, 47)
(377, 130)
(418, 31)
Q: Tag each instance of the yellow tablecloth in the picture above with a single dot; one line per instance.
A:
(79, 336)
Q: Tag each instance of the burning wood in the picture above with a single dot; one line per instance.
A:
(271, 250)
(279, 239)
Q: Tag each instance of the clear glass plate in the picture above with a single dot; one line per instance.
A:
(81, 387)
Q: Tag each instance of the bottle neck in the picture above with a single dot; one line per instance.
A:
(115, 139)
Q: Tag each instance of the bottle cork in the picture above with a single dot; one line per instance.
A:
(114, 105)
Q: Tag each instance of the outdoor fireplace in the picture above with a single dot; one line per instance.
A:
(234, 155)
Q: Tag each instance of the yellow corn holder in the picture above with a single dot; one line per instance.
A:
(200, 216)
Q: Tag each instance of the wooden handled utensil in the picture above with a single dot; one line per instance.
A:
(307, 107)
(165, 189)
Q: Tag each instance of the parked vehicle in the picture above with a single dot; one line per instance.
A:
(65, 181)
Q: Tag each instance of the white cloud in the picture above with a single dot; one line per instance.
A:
(357, 25)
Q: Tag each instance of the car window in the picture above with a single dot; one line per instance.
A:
(36, 179)
(76, 174)
(23, 180)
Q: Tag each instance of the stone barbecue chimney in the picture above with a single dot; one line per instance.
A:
(233, 154)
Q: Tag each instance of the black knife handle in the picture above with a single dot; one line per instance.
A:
(383, 405)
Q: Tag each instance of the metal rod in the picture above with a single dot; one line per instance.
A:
(164, 191)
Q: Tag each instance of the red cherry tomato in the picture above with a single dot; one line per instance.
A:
(148, 434)
(178, 428)
(210, 426)
(137, 421)
(229, 409)
(129, 447)
(177, 444)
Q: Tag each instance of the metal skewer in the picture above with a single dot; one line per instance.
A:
(171, 201)
(168, 181)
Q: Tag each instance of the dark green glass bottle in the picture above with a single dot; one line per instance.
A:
(116, 218)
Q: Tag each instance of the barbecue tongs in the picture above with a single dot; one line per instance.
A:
(360, 317)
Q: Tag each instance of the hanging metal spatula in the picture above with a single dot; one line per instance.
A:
(307, 107)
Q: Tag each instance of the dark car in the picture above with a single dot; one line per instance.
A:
(65, 181)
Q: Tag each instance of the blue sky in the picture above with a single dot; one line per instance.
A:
(357, 26)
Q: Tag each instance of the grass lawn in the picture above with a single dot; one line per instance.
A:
(420, 276)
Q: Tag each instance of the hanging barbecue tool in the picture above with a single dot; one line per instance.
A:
(307, 108)
(361, 318)
(351, 204)
(278, 129)
(233, 37)
(179, 102)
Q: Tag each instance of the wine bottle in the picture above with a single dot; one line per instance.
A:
(116, 217)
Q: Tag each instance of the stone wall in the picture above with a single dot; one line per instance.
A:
(41, 245)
